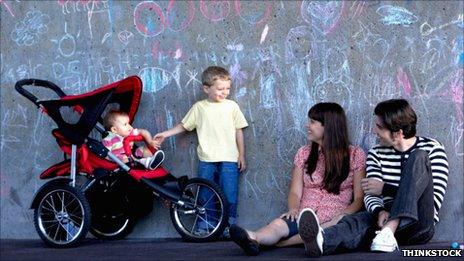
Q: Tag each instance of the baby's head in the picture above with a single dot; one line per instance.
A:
(117, 122)
(216, 83)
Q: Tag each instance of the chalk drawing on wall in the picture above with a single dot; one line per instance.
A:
(5, 4)
(81, 6)
(215, 11)
(99, 15)
(67, 43)
(357, 8)
(426, 29)
(149, 19)
(458, 49)
(125, 36)
(290, 140)
(179, 15)
(155, 79)
(298, 44)
(403, 82)
(264, 34)
(253, 12)
(324, 16)
(396, 15)
(29, 30)
(267, 95)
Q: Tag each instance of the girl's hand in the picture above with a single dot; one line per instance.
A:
(291, 214)
(337, 218)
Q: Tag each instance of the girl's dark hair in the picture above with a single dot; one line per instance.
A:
(335, 145)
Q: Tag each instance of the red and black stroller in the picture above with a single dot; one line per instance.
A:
(87, 191)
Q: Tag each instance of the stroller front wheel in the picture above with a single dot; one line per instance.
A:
(203, 217)
(62, 217)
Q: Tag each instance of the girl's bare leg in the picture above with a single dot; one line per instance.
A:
(270, 234)
(295, 240)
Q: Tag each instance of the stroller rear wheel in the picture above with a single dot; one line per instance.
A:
(203, 217)
(111, 210)
(111, 227)
(62, 217)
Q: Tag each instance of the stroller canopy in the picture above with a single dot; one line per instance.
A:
(91, 105)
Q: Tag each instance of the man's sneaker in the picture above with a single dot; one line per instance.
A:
(310, 232)
(241, 238)
(385, 241)
(156, 159)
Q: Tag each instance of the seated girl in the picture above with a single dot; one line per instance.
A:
(326, 177)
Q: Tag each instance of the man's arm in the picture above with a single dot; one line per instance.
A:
(374, 204)
(440, 169)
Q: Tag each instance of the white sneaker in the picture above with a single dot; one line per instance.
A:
(385, 241)
(152, 162)
(310, 232)
(156, 159)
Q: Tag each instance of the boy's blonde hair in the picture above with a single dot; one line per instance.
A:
(214, 73)
(110, 118)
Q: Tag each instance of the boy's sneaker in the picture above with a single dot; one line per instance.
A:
(156, 160)
(385, 241)
(310, 232)
(243, 240)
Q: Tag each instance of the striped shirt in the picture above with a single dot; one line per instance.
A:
(114, 143)
(385, 163)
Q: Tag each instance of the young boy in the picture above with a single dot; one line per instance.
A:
(118, 127)
(219, 123)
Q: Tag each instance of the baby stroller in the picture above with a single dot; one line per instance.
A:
(86, 191)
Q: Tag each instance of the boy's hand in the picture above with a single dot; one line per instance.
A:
(241, 163)
(155, 144)
(159, 138)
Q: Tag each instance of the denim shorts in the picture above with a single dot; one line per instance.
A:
(292, 227)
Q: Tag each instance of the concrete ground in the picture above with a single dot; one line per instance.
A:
(175, 249)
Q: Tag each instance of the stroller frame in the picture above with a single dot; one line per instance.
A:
(109, 202)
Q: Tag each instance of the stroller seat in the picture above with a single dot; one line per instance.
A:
(90, 159)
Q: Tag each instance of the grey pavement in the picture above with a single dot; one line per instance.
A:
(175, 249)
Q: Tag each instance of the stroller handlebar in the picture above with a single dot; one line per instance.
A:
(41, 83)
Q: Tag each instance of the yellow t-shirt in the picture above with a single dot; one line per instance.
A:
(216, 124)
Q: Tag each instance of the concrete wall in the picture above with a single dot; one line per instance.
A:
(284, 56)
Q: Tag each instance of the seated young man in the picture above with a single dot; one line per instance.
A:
(406, 180)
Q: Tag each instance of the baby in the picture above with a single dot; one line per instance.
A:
(118, 127)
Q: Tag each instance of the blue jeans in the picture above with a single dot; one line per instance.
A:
(225, 174)
(413, 205)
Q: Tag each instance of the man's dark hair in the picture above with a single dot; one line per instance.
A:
(397, 114)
